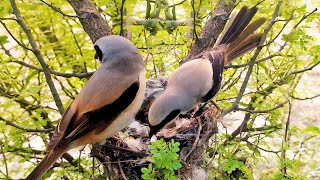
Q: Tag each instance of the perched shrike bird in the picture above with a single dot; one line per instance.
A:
(105, 105)
(198, 80)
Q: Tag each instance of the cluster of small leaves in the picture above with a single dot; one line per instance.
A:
(165, 160)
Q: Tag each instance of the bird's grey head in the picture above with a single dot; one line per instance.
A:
(112, 48)
(168, 106)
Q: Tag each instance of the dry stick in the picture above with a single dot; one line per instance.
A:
(133, 160)
(121, 170)
(252, 62)
(36, 52)
(197, 139)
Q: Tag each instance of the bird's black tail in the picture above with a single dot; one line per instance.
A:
(239, 34)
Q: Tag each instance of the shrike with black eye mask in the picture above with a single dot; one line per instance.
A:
(105, 105)
(199, 80)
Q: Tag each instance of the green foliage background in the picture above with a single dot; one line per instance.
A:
(28, 112)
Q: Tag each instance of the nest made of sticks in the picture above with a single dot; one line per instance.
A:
(124, 155)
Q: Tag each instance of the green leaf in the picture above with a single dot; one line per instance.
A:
(3, 39)
(312, 129)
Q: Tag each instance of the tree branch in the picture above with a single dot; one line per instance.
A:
(24, 129)
(91, 20)
(36, 52)
(212, 29)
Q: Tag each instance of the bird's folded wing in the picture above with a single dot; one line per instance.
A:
(216, 58)
(106, 94)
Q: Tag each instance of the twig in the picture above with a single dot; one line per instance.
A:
(133, 160)
(285, 142)
(300, 147)
(121, 170)
(306, 69)
(194, 20)
(59, 11)
(36, 52)
(287, 22)
(266, 150)
(294, 27)
(306, 98)
(252, 62)
(13, 37)
(181, 2)
(248, 63)
(196, 140)
(24, 129)
(262, 111)
(121, 17)
(4, 161)
(263, 128)
(66, 75)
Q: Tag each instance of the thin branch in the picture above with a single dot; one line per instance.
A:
(262, 111)
(285, 142)
(295, 26)
(11, 19)
(66, 75)
(248, 63)
(263, 128)
(252, 61)
(13, 37)
(36, 52)
(266, 150)
(24, 129)
(121, 170)
(306, 98)
(281, 30)
(121, 17)
(59, 11)
(181, 2)
(196, 140)
(194, 13)
(306, 69)
(4, 161)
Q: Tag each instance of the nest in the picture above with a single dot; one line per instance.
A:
(124, 155)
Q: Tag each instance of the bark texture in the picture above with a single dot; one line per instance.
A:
(212, 29)
(90, 18)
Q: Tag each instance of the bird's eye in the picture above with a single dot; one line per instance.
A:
(98, 54)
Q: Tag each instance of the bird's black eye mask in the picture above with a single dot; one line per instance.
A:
(98, 54)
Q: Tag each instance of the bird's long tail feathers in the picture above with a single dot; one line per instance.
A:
(45, 164)
(239, 34)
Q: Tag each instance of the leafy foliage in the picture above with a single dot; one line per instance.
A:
(165, 160)
(28, 112)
